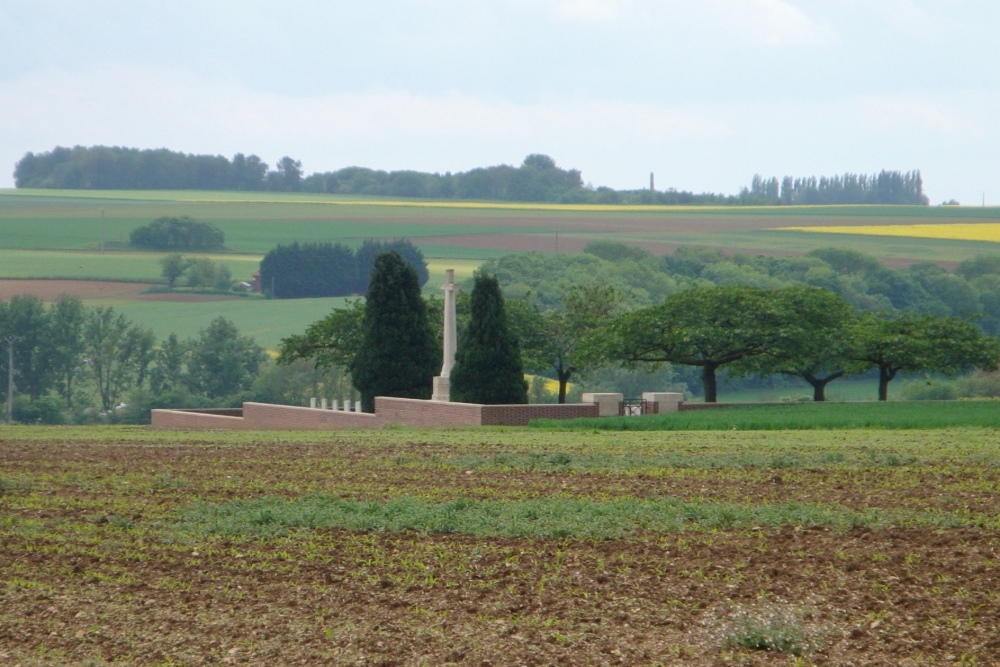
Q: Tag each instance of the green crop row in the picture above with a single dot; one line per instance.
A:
(542, 518)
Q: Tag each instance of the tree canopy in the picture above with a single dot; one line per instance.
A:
(917, 343)
(488, 366)
(307, 270)
(707, 327)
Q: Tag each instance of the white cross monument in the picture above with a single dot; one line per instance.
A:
(442, 385)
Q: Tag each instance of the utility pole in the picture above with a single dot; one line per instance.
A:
(10, 376)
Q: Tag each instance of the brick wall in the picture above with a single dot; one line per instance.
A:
(194, 420)
(520, 415)
(408, 411)
(265, 416)
(270, 416)
(416, 412)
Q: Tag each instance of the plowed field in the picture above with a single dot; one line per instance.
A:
(50, 290)
(109, 552)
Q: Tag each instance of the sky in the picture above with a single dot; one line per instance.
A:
(702, 93)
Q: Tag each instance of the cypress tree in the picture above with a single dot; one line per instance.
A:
(399, 354)
(488, 359)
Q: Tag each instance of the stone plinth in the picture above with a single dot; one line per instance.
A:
(442, 389)
(607, 404)
(666, 401)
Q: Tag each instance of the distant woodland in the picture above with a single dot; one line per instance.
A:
(536, 179)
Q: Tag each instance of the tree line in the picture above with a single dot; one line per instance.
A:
(886, 187)
(74, 363)
(77, 363)
(120, 168)
(537, 179)
(819, 317)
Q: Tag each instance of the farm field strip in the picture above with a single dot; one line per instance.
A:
(110, 265)
(983, 231)
(135, 545)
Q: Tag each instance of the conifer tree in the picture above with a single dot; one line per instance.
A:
(488, 359)
(399, 355)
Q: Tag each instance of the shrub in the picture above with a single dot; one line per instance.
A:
(182, 233)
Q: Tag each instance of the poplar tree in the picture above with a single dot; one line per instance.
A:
(399, 355)
(487, 366)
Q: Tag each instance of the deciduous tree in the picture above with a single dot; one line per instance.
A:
(117, 352)
(916, 343)
(707, 327)
(221, 361)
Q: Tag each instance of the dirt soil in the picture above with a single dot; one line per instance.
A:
(90, 572)
(50, 290)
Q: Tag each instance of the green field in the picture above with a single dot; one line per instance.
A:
(255, 222)
(82, 235)
(267, 322)
(913, 415)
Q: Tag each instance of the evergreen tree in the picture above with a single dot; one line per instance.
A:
(399, 355)
(488, 360)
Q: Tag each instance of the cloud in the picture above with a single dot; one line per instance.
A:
(592, 11)
(918, 117)
(773, 23)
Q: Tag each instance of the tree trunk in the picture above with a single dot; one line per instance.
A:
(884, 377)
(708, 383)
(563, 377)
(819, 384)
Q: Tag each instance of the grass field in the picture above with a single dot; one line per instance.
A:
(79, 235)
(795, 416)
(255, 222)
(499, 546)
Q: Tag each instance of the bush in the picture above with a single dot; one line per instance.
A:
(182, 233)
(45, 410)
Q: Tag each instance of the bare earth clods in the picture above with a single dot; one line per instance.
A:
(92, 572)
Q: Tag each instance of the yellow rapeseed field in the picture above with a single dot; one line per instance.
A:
(983, 231)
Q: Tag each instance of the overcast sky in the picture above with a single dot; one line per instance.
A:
(704, 93)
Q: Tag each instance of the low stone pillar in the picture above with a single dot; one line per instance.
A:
(324, 404)
(442, 389)
(607, 404)
(334, 404)
(312, 402)
(347, 405)
(357, 406)
(666, 401)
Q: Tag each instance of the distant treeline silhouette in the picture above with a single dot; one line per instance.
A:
(537, 179)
